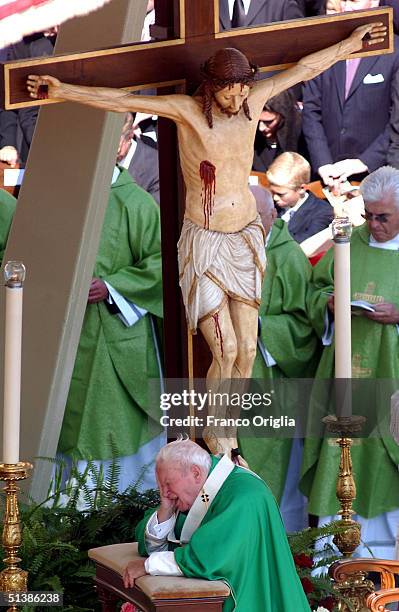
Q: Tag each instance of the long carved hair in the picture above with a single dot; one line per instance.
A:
(227, 67)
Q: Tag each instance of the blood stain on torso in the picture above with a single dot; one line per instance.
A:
(208, 181)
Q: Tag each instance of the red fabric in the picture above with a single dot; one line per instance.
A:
(315, 258)
(18, 6)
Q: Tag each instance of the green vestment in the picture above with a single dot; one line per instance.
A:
(7, 209)
(109, 392)
(289, 338)
(375, 355)
(242, 541)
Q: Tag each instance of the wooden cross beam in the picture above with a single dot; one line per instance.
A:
(195, 37)
(187, 33)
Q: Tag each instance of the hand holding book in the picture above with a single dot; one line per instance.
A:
(385, 313)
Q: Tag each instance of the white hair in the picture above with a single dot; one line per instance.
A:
(185, 453)
(382, 184)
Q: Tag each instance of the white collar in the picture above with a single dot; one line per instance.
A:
(206, 496)
(288, 213)
(125, 162)
(115, 175)
(389, 245)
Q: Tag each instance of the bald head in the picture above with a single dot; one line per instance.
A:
(264, 205)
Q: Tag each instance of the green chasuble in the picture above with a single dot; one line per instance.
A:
(241, 540)
(109, 392)
(375, 355)
(7, 209)
(289, 338)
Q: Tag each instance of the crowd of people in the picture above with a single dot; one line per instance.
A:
(343, 124)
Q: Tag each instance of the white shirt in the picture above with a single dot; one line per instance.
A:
(389, 245)
(246, 4)
(290, 211)
(148, 21)
(160, 562)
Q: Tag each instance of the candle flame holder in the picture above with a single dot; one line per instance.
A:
(13, 578)
(14, 274)
(356, 588)
(341, 229)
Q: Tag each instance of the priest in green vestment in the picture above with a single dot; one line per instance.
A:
(375, 355)
(288, 347)
(218, 521)
(109, 391)
(7, 209)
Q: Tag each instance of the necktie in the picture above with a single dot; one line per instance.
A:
(351, 68)
(238, 18)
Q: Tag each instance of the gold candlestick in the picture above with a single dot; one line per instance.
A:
(13, 578)
(355, 588)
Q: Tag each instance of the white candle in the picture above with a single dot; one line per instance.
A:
(14, 273)
(342, 230)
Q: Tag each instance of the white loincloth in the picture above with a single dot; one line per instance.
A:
(214, 266)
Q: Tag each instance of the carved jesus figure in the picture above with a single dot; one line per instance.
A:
(221, 248)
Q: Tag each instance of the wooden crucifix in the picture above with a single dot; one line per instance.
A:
(191, 33)
(176, 63)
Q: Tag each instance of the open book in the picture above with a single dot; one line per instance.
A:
(358, 305)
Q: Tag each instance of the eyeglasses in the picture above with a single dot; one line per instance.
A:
(381, 218)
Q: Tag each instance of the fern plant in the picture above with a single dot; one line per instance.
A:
(75, 517)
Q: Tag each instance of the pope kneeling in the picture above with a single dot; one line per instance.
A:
(218, 521)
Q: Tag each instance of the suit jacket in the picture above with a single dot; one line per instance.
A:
(313, 216)
(144, 166)
(36, 45)
(359, 126)
(394, 4)
(8, 128)
(262, 11)
(313, 7)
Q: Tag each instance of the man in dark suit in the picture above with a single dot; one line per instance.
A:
(15, 143)
(313, 216)
(350, 112)
(244, 13)
(305, 214)
(8, 137)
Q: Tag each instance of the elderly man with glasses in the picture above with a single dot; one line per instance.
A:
(375, 355)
